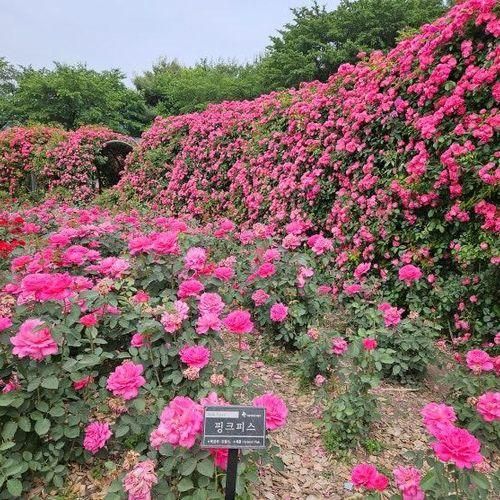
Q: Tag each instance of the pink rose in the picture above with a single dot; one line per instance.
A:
(220, 456)
(479, 361)
(339, 346)
(79, 384)
(195, 258)
(408, 482)
(196, 356)
(180, 424)
(437, 417)
(319, 380)
(190, 288)
(96, 436)
(410, 274)
(238, 322)
(223, 273)
(137, 340)
(276, 410)
(126, 380)
(369, 344)
(88, 320)
(259, 297)
(140, 480)
(210, 303)
(488, 406)
(208, 322)
(33, 341)
(43, 287)
(278, 312)
(5, 323)
(266, 270)
(165, 243)
(459, 447)
(367, 476)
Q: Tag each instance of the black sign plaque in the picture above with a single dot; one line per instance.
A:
(237, 427)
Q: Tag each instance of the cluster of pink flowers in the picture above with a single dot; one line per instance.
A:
(368, 477)
(140, 480)
(392, 315)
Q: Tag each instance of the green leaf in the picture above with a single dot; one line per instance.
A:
(42, 426)
(188, 466)
(480, 480)
(121, 430)
(185, 484)
(51, 382)
(428, 481)
(9, 430)
(15, 487)
(24, 424)
(206, 468)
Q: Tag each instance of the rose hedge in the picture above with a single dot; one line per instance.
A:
(393, 158)
(56, 158)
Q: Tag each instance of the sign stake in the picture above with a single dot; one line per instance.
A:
(232, 469)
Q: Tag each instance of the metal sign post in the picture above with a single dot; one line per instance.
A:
(234, 428)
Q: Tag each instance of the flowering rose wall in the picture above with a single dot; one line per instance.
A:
(49, 158)
(394, 158)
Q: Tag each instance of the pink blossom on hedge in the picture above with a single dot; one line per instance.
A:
(111, 266)
(479, 361)
(82, 383)
(165, 243)
(141, 297)
(369, 344)
(239, 322)
(33, 341)
(5, 323)
(368, 477)
(276, 410)
(459, 447)
(190, 288)
(278, 312)
(488, 406)
(196, 356)
(266, 270)
(207, 322)
(319, 380)
(220, 456)
(392, 315)
(195, 258)
(303, 274)
(97, 435)
(180, 424)
(139, 481)
(43, 287)
(259, 297)
(437, 417)
(272, 254)
(408, 481)
(88, 320)
(126, 379)
(223, 273)
(137, 340)
(140, 244)
(362, 269)
(339, 346)
(352, 289)
(210, 303)
(409, 274)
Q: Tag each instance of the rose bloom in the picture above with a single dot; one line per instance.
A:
(479, 361)
(339, 346)
(369, 344)
(126, 379)
(408, 482)
(278, 312)
(409, 274)
(88, 320)
(367, 476)
(137, 340)
(33, 341)
(319, 244)
(140, 244)
(43, 287)
(220, 456)
(266, 270)
(223, 273)
(196, 356)
(180, 423)
(5, 323)
(259, 297)
(140, 480)
(190, 288)
(195, 258)
(211, 303)
(361, 270)
(459, 447)
(239, 322)
(165, 243)
(140, 297)
(352, 289)
(488, 406)
(96, 436)
(208, 322)
(392, 315)
(272, 254)
(81, 383)
(276, 410)
(437, 417)
(319, 380)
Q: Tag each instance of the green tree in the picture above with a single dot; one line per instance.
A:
(73, 95)
(8, 75)
(316, 42)
(173, 89)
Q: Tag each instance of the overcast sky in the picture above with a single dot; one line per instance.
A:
(132, 34)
